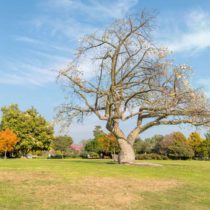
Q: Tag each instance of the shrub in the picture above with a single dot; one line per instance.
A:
(57, 156)
(151, 156)
(40, 153)
(69, 153)
(93, 155)
(84, 154)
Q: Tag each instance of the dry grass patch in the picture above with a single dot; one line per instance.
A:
(126, 184)
(23, 176)
(99, 193)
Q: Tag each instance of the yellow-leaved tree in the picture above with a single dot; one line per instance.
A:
(8, 140)
(195, 142)
(109, 143)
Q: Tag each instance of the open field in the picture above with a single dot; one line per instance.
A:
(96, 184)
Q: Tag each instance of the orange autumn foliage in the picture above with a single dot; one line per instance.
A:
(8, 140)
(108, 142)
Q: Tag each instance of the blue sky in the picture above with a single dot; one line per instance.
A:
(38, 37)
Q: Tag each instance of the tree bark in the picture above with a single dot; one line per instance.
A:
(5, 154)
(126, 154)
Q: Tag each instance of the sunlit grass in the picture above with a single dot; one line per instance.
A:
(97, 184)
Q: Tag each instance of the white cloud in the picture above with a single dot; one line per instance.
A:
(197, 19)
(37, 66)
(193, 35)
(32, 71)
(197, 40)
(43, 44)
(77, 17)
(29, 75)
(27, 40)
(95, 9)
(70, 28)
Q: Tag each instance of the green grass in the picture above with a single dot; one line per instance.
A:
(96, 184)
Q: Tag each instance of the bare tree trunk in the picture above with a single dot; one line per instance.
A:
(5, 154)
(126, 154)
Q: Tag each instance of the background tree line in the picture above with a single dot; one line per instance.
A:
(172, 146)
(27, 132)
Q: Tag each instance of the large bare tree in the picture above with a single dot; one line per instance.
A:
(129, 77)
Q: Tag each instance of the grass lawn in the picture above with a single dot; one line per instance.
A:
(97, 184)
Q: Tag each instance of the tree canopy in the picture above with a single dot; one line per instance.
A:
(102, 142)
(8, 140)
(62, 143)
(33, 131)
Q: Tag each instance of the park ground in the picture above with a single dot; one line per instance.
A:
(99, 184)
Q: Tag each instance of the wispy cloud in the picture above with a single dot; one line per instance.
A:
(193, 34)
(28, 40)
(95, 9)
(43, 43)
(77, 17)
(55, 36)
(27, 74)
(39, 69)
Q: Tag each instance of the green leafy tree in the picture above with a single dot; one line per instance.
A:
(102, 142)
(148, 145)
(178, 136)
(93, 146)
(180, 150)
(195, 142)
(98, 132)
(141, 146)
(204, 153)
(33, 131)
(208, 135)
(62, 144)
(153, 142)
(175, 146)
(204, 148)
